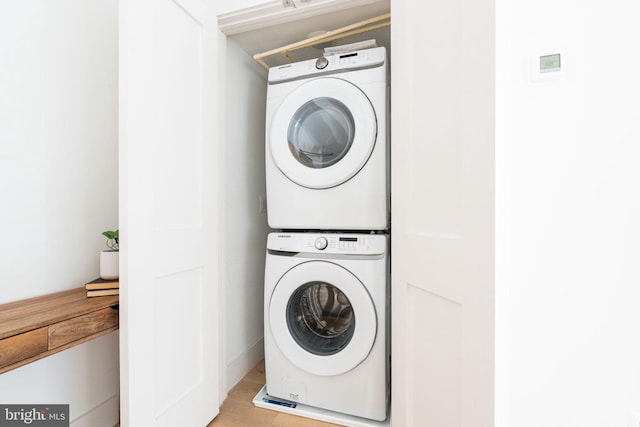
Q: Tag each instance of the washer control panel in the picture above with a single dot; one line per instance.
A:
(332, 243)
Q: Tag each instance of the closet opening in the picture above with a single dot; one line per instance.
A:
(245, 228)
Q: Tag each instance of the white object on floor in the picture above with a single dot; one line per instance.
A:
(263, 400)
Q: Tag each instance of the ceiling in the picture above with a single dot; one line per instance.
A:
(281, 34)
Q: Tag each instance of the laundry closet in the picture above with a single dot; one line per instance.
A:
(245, 163)
(196, 166)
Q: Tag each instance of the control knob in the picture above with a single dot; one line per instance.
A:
(321, 243)
(322, 63)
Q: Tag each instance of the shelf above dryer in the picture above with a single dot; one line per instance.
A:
(357, 28)
(277, 35)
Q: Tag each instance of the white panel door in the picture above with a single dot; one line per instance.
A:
(442, 226)
(169, 290)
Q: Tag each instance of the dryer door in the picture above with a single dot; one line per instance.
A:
(323, 133)
(322, 318)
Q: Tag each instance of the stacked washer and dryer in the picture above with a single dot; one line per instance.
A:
(326, 298)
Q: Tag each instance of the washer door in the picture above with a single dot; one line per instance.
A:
(322, 318)
(323, 133)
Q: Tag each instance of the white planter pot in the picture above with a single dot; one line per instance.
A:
(109, 265)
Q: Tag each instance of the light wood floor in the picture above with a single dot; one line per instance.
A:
(238, 409)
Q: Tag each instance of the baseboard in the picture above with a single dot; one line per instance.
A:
(241, 365)
(106, 414)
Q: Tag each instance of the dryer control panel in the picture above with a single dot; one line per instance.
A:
(330, 243)
(367, 58)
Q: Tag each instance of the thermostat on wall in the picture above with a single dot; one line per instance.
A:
(550, 63)
(547, 66)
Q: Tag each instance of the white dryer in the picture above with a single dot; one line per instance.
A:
(326, 321)
(327, 165)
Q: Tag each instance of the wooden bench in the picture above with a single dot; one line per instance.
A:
(38, 327)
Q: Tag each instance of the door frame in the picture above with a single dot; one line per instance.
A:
(238, 21)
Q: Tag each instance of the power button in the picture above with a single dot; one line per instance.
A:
(321, 243)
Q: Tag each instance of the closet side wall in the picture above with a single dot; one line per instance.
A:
(245, 226)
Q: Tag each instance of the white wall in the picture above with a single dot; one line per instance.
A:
(245, 227)
(58, 175)
(568, 209)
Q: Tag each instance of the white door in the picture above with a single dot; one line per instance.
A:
(323, 133)
(169, 289)
(442, 213)
(314, 322)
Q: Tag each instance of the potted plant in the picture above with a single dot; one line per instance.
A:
(109, 258)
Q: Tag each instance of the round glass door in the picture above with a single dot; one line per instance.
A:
(323, 133)
(322, 318)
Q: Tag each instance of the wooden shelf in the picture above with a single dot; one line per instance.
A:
(340, 33)
(38, 327)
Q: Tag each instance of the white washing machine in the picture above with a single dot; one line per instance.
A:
(327, 162)
(326, 321)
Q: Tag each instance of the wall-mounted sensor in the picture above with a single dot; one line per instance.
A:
(548, 66)
(550, 63)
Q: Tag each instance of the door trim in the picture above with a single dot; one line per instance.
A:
(274, 13)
